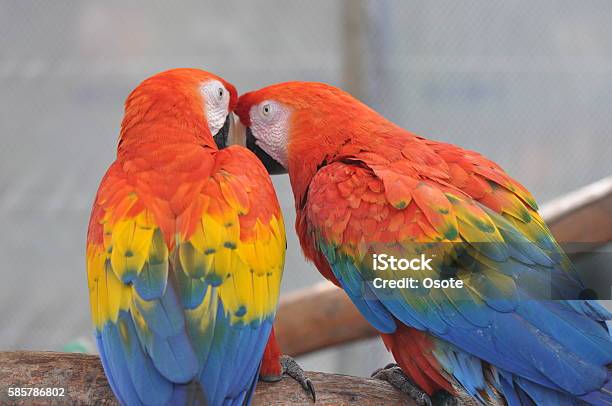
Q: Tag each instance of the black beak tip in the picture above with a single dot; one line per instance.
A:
(221, 136)
(271, 164)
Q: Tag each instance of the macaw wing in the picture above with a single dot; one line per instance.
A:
(486, 182)
(503, 314)
(183, 316)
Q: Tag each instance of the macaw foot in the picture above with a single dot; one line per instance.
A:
(291, 368)
(443, 398)
(393, 374)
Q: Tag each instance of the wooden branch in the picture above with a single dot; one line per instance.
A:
(583, 216)
(79, 376)
(318, 317)
(322, 316)
(82, 378)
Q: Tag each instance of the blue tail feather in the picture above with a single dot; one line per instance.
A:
(116, 366)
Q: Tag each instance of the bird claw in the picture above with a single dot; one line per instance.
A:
(443, 398)
(397, 378)
(388, 366)
(291, 368)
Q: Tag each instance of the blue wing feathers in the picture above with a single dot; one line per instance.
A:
(545, 396)
(116, 366)
(258, 336)
(190, 290)
(362, 297)
(108, 368)
(165, 315)
(148, 368)
(224, 367)
(174, 357)
(601, 396)
(507, 388)
(151, 282)
(166, 339)
(150, 385)
(552, 350)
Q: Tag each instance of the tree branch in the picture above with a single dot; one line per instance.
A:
(582, 216)
(82, 378)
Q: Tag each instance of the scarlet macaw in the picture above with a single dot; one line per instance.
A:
(185, 250)
(365, 186)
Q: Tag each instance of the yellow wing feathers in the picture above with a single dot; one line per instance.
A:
(246, 273)
(107, 294)
(230, 253)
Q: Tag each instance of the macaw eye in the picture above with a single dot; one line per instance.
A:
(220, 93)
(265, 109)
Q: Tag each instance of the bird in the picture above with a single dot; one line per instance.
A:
(185, 249)
(520, 329)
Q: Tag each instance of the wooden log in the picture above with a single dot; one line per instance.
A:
(583, 216)
(83, 382)
(322, 316)
(78, 377)
(318, 317)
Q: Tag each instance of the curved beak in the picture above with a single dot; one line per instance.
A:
(237, 135)
(221, 137)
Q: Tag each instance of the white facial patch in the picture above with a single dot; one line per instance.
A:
(216, 104)
(270, 127)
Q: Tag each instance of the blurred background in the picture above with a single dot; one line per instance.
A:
(529, 84)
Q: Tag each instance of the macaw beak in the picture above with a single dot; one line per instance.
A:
(243, 136)
(221, 137)
(237, 135)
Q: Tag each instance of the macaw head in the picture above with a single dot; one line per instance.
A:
(298, 127)
(195, 102)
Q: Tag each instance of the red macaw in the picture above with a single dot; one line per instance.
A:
(185, 250)
(363, 186)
